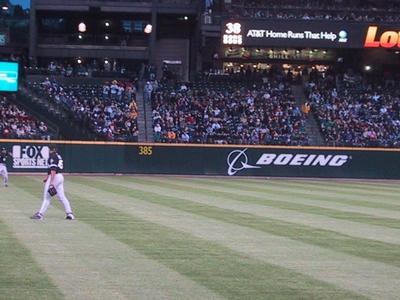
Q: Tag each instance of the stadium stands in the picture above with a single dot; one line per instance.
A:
(249, 107)
(15, 123)
(72, 68)
(352, 112)
(229, 110)
(109, 110)
(366, 11)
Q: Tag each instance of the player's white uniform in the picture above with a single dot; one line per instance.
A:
(55, 163)
(4, 173)
(3, 168)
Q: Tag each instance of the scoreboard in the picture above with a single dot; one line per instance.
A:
(9, 76)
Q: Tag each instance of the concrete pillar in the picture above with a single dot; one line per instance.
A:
(33, 34)
(153, 35)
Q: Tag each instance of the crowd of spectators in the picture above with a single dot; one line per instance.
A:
(367, 11)
(354, 112)
(227, 113)
(15, 123)
(109, 110)
(85, 68)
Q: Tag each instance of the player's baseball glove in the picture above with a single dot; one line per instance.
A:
(52, 190)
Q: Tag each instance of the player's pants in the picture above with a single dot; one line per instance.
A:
(59, 185)
(4, 173)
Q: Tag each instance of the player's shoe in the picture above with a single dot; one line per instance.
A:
(70, 216)
(37, 216)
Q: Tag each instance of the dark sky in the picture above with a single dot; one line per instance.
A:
(24, 3)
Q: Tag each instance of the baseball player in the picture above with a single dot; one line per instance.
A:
(3, 166)
(54, 185)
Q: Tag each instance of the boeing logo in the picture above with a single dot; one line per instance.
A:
(238, 160)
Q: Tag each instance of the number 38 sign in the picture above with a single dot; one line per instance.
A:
(233, 34)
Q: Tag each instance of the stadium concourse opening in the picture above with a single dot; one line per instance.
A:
(235, 59)
(293, 62)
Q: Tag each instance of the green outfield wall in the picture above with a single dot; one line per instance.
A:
(235, 160)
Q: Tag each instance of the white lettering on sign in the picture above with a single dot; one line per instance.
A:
(256, 33)
(304, 35)
(238, 160)
(232, 35)
(30, 156)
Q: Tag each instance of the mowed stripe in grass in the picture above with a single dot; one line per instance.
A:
(372, 279)
(367, 185)
(317, 193)
(88, 264)
(226, 272)
(377, 193)
(305, 194)
(323, 189)
(231, 213)
(20, 276)
(268, 199)
(352, 184)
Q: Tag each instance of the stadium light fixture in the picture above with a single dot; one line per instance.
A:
(82, 27)
(80, 36)
(397, 52)
(367, 68)
(107, 37)
(4, 7)
(107, 24)
(148, 29)
(186, 18)
(106, 61)
(79, 61)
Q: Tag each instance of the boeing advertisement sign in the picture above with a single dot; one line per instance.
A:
(238, 160)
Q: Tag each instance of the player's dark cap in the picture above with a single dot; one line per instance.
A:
(3, 149)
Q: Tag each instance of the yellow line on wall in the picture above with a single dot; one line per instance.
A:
(59, 142)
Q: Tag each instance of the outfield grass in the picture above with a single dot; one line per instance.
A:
(202, 238)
